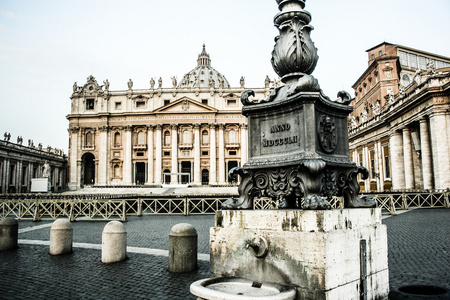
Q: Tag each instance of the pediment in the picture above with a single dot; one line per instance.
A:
(186, 105)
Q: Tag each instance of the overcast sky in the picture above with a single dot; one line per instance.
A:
(47, 45)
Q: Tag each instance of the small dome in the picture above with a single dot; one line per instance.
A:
(204, 76)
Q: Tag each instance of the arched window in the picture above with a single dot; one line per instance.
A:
(232, 136)
(205, 137)
(117, 141)
(166, 138)
(140, 138)
(116, 171)
(406, 80)
(187, 137)
(89, 139)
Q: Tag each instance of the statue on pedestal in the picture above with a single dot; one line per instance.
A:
(46, 170)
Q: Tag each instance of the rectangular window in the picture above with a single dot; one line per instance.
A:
(412, 58)
(140, 104)
(205, 152)
(140, 154)
(24, 175)
(166, 102)
(118, 105)
(232, 152)
(387, 167)
(403, 58)
(12, 168)
(166, 153)
(422, 63)
(89, 104)
(231, 102)
(205, 101)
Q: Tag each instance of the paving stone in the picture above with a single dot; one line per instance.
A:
(418, 246)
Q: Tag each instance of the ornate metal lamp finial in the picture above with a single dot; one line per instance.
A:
(294, 54)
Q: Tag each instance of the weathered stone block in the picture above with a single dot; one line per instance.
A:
(318, 252)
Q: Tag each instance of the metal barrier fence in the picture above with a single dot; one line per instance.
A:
(95, 207)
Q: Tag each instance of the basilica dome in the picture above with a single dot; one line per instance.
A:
(204, 76)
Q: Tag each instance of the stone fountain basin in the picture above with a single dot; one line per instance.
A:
(232, 288)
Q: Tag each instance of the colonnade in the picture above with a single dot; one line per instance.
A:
(418, 156)
(216, 157)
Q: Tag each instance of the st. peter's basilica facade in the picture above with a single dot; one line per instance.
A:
(191, 133)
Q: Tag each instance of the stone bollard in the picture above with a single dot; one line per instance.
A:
(9, 233)
(114, 242)
(182, 248)
(61, 234)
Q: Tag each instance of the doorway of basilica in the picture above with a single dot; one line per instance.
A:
(88, 169)
(140, 173)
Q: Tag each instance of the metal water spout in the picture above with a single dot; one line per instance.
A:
(259, 245)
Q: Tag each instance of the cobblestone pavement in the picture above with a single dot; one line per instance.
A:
(418, 254)
(419, 248)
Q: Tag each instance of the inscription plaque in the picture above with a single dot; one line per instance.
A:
(280, 134)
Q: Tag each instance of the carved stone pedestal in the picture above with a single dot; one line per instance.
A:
(328, 254)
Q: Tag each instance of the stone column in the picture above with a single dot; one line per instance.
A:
(244, 145)
(212, 155)
(375, 165)
(197, 163)
(426, 155)
(396, 155)
(4, 177)
(366, 164)
(128, 156)
(19, 176)
(158, 155)
(408, 159)
(440, 147)
(379, 161)
(73, 165)
(103, 156)
(221, 155)
(150, 167)
(174, 178)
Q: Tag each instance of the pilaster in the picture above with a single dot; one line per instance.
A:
(197, 166)
(158, 155)
(221, 155)
(128, 156)
(150, 167)
(103, 156)
(212, 155)
(174, 178)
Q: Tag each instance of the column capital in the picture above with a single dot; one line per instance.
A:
(103, 128)
(221, 126)
(74, 129)
(174, 126)
(128, 128)
(150, 127)
(423, 119)
(197, 126)
(243, 126)
(158, 126)
(212, 126)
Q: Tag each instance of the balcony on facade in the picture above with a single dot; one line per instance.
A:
(232, 146)
(185, 146)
